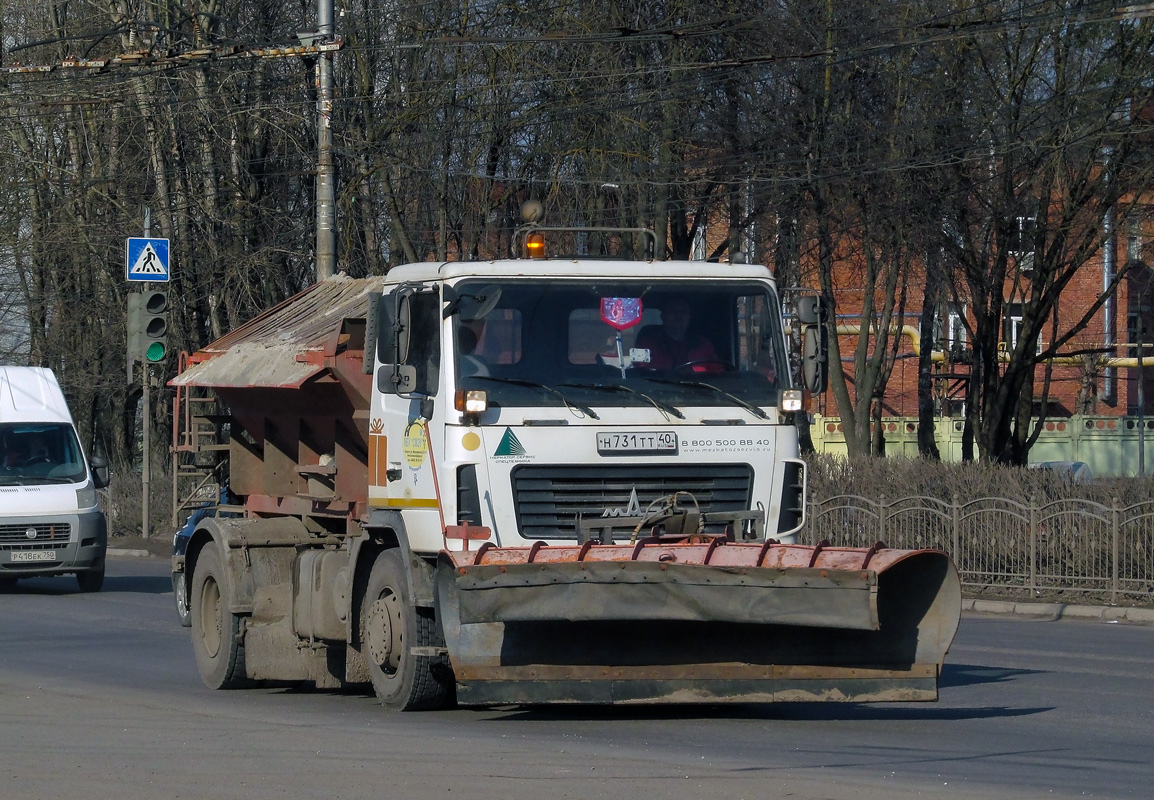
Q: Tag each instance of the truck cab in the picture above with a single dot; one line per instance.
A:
(544, 405)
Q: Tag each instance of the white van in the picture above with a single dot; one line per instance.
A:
(50, 520)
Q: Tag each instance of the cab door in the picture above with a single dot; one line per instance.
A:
(408, 380)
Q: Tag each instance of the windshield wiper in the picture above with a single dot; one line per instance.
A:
(703, 385)
(665, 408)
(32, 480)
(543, 387)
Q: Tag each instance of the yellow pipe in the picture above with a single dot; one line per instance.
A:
(911, 332)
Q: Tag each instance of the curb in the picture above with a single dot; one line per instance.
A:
(121, 552)
(1057, 611)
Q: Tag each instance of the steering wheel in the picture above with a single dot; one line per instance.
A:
(725, 365)
(31, 462)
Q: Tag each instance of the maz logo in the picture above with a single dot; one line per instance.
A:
(631, 510)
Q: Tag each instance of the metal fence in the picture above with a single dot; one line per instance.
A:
(1067, 545)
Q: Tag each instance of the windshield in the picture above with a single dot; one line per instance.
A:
(32, 453)
(664, 344)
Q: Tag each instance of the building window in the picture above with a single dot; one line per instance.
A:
(950, 330)
(1134, 240)
(1022, 243)
(1012, 328)
(699, 244)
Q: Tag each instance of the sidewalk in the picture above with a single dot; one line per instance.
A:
(1055, 611)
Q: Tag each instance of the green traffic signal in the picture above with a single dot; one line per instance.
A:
(148, 326)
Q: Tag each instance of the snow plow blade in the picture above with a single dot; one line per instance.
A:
(696, 620)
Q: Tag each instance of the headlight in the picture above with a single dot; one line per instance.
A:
(86, 497)
(471, 402)
(791, 400)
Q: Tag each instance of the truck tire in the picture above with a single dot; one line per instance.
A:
(216, 639)
(91, 580)
(391, 626)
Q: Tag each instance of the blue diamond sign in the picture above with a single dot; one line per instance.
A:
(146, 259)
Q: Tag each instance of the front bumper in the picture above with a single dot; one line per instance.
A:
(52, 551)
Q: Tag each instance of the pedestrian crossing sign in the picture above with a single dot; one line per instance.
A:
(146, 259)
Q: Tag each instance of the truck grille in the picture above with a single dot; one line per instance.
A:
(549, 498)
(48, 535)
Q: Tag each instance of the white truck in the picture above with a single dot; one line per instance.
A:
(535, 480)
(51, 522)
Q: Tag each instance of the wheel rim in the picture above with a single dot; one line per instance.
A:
(384, 634)
(210, 633)
(181, 597)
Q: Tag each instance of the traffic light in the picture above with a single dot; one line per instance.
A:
(135, 337)
(148, 326)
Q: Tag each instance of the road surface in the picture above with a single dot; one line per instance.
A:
(99, 698)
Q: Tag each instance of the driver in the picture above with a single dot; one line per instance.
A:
(37, 451)
(672, 345)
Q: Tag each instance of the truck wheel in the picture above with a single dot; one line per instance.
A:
(215, 629)
(391, 626)
(91, 580)
(180, 595)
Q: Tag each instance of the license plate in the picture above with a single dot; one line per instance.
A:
(34, 555)
(637, 443)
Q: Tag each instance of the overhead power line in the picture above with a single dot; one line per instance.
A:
(174, 59)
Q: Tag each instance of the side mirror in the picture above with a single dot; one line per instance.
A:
(809, 309)
(403, 328)
(814, 357)
(372, 329)
(385, 334)
(100, 476)
(396, 379)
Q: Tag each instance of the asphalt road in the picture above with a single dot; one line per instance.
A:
(99, 698)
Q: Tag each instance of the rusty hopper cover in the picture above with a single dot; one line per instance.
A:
(282, 347)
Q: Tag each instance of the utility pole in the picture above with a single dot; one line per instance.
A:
(146, 411)
(1141, 390)
(326, 213)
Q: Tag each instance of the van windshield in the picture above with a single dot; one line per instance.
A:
(32, 453)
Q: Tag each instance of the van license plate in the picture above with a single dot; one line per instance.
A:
(34, 555)
(637, 443)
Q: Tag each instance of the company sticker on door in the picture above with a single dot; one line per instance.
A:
(415, 445)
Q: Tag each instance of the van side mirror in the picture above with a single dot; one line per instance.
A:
(100, 476)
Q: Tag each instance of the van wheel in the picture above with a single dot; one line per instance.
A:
(391, 626)
(215, 630)
(91, 580)
(180, 595)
